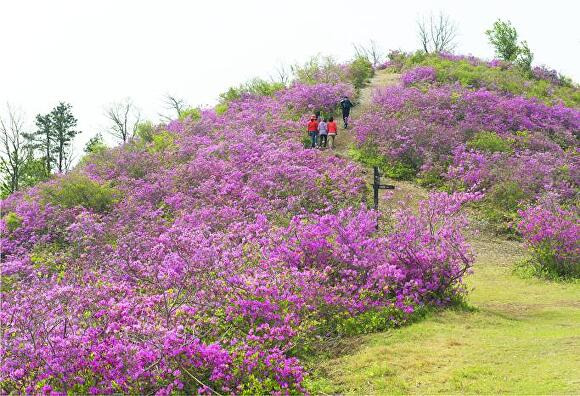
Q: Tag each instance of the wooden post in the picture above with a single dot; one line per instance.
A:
(376, 182)
(378, 186)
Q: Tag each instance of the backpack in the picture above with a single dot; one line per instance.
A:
(345, 104)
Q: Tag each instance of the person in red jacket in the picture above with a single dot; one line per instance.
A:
(313, 130)
(331, 126)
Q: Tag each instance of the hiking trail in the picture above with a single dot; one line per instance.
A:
(517, 336)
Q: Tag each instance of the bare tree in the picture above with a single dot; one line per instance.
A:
(69, 159)
(13, 148)
(370, 52)
(282, 75)
(174, 103)
(437, 33)
(124, 117)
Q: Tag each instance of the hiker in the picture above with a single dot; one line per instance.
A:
(323, 132)
(331, 126)
(313, 130)
(345, 105)
(318, 116)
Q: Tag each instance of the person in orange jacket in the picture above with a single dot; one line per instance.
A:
(313, 130)
(332, 129)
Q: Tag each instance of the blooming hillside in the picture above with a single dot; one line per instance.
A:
(462, 124)
(208, 256)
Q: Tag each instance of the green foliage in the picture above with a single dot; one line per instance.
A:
(221, 108)
(545, 265)
(432, 179)
(192, 113)
(33, 171)
(145, 131)
(370, 321)
(7, 283)
(13, 221)
(397, 170)
(319, 70)
(49, 257)
(499, 208)
(525, 58)
(63, 124)
(257, 86)
(361, 70)
(95, 144)
(162, 141)
(504, 38)
(53, 139)
(490, 142)
(77, 189)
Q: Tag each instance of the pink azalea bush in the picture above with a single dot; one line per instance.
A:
(418, 75)
(553, 235)
(209, 255)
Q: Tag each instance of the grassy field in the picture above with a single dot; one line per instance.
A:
(515, 336)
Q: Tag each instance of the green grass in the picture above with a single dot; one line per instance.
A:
(521, 336)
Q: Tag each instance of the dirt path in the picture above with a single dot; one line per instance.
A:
(346, 137)
(518, 336)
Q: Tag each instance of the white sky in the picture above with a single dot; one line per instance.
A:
(92, 53)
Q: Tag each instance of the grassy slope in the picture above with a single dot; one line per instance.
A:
(518, 336)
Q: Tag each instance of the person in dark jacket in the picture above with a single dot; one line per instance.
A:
(345, 105)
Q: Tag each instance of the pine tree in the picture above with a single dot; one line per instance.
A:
(63, 131)
(42, 140)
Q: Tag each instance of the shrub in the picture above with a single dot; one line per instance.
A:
(396, 61)
(395, 169)
(162, 141)
(257, 86)
(219, 295)
(500, 206)
(77, 189)
(221, 108)
(95, 144)
(194, 114)
(321, 70)
(13, 221)
(494, 75)
(490, 142)
(524, 59)
(361, 70)
(145, 131)
(504, 38)
(418, 74)
(553, 236)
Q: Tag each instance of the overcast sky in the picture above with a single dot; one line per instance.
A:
(92, 53)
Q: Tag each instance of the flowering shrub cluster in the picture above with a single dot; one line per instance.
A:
(219, 254)
(553, 235)
(427, 129)
(543, 73)
(517, 150)
(418, 74)
(495, 75)
(326, 70)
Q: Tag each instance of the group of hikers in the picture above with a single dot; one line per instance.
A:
(323, 130)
